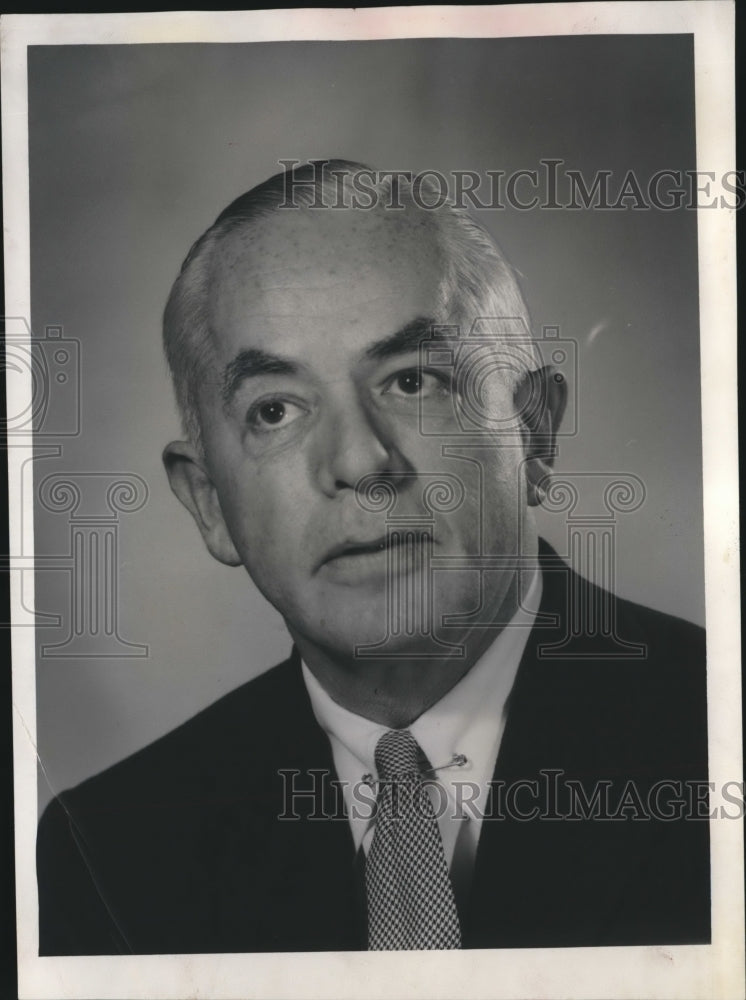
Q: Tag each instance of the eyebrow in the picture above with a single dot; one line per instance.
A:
(403, 341)
(254, 362)
(251, 363)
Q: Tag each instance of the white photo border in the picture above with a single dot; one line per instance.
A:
(714, 970)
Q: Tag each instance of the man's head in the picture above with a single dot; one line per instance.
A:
(294, 335)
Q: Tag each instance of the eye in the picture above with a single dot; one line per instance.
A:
(417, 382)
(409, 382)
(273, 414)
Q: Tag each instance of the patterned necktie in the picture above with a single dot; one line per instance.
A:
(410, 896)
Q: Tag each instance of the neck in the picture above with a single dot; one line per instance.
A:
(395, 691)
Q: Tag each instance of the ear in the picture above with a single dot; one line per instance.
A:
(540, 400)
(191, 482)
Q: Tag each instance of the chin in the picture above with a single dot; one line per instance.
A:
(366, 624)
(347, 629)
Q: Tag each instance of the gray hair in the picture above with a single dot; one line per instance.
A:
(477, 282)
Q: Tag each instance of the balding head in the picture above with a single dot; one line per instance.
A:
(310, 215)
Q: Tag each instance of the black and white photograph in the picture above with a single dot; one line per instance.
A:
(373, 502)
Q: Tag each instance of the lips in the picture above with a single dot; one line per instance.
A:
(353, 552)
(357, 548)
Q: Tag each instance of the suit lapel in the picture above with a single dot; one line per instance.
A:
(504, 891)
(544, 882)
(310, 893)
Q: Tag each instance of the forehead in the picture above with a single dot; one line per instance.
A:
(302, 278)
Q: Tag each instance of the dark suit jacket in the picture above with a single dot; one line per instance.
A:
(179, 848)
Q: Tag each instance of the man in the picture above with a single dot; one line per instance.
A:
(368, 427)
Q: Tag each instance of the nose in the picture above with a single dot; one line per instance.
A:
(353, 444)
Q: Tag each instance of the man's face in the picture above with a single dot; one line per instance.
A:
(317, 383)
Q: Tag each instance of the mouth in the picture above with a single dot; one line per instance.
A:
(353, 559)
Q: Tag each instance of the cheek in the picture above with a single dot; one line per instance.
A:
(505, 497)
(263, 516)
(492, 484)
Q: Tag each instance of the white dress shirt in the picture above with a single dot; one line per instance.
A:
(468, 720)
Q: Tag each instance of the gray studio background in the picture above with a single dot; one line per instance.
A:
(133, 152)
